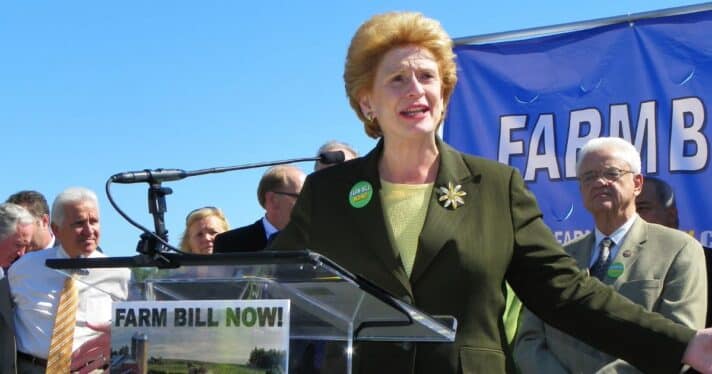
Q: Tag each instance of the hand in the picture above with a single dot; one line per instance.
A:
(94, 353)
(699, 351)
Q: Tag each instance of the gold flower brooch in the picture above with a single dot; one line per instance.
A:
(451, 196)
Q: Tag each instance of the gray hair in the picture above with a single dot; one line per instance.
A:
(625, 151)
(332, 145)
(12, 215)
(71, 195)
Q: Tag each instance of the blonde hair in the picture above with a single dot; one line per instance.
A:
(195, 216)
(382, 33)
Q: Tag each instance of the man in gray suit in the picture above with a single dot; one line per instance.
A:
(657, 267)
(16, 230)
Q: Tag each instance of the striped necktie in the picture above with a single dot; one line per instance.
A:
(59, 358)
(598, 269)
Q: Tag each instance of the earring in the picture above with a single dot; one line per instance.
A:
(369, 116)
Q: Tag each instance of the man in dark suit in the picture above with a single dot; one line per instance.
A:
(16, 230)
(277, 193)
(656, 203)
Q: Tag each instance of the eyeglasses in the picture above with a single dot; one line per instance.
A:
(610, 174)
(292, 194)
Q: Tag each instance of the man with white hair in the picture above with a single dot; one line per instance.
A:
(39, 292)
(659, 268)
(16, 230)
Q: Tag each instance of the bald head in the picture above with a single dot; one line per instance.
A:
(278, 191)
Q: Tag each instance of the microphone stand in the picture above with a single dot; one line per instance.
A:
(153, 247)
(148, 244)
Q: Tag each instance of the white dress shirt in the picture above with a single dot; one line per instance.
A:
(36, 289)
(52, 242)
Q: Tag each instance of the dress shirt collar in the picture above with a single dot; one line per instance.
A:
(61, 253)
(52, 242)
(617, 235)
(269, 228)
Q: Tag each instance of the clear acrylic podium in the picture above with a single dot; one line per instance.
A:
(330, 308)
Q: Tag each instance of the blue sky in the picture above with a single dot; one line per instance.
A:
(89, 89)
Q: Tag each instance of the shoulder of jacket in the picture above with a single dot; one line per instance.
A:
(577, 241)
(663, 234)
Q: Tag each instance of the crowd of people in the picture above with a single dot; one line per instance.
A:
(450, 233)
(32, 296)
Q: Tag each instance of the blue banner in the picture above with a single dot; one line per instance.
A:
(533, 103)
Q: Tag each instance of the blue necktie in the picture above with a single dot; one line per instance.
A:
(599, 268)
(271, 238)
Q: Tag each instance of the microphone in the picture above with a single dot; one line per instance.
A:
(166, 175)
(151, 176)
(153, 243)
(332, 157)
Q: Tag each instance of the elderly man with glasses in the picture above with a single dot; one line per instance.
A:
(659, 268)
(277, 192)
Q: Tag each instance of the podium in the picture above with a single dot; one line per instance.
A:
(330, 308)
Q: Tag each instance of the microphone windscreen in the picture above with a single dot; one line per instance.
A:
(332, 157)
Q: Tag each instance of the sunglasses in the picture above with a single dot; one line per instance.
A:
(292, 194)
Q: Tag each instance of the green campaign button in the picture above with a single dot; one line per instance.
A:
(615, 270)
(361, 194)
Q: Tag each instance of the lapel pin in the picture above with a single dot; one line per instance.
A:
(451, 196)
(360, 194)
(615, 270)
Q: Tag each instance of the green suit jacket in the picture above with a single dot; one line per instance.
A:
(662, 269)
(464, 257)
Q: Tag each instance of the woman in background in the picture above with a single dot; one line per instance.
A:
(201, 227)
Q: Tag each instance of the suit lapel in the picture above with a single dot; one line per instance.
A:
(581, 250)
(441, 224)
(370, 222)
(259, 235)
(5, 304)
(630, 249)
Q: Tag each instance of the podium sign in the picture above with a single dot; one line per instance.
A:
(216, 335)
(329, 308)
